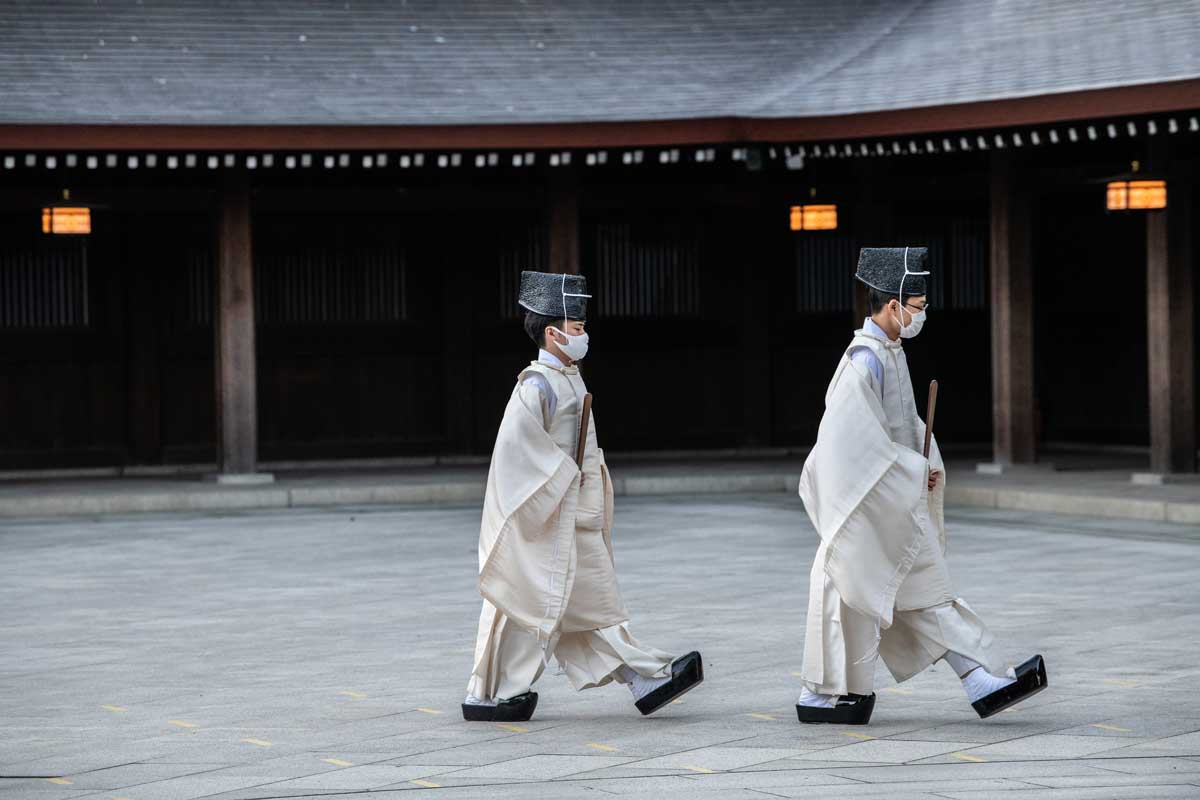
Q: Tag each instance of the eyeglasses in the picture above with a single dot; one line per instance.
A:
(918, 309)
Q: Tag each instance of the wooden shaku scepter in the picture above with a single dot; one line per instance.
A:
(929, 416)
(584, 414)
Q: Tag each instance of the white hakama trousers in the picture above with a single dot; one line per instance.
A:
(589, 651)
(928, 619)
(588, 658)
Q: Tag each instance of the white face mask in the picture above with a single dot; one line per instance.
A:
(918, 320)
(914, 327)
(577, 346)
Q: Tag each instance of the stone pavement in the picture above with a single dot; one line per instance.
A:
(320, 652)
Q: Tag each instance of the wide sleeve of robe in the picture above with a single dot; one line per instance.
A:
(526, 535)
(866, 495)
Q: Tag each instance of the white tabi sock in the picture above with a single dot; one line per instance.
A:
(977, 681)
(810, 698)
(639, 686)
(472, 700)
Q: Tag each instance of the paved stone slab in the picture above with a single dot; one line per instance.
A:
(539, 767)
(1048, 746)
(717, 758)
(887, 751)
(356, 778)
(1104, 793)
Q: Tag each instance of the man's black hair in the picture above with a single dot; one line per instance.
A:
(876, 299)
(535, 326)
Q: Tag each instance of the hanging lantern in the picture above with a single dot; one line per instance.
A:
(1136, 195)
(813, 218)
(66, 220)
(65, 217)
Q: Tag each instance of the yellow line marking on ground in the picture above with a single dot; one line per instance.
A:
(604, 747)
(797, 674)
(966, 757)
(429, 710)
(896, 690)
(677, 701)
(355, 695)
(514, 728)
(259, 742)
(702, 770)
(862, 736)
(59, 781)
(181, 723)
(1119, 682)
(427, 784)
(1104, 727)
(762, 716)
(337, 762)
(114, 708)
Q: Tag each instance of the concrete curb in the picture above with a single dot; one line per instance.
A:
(1057, 502)
(201, 497)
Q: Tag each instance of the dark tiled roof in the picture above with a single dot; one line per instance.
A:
(409, 62)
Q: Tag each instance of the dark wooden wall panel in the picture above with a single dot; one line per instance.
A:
(62, 372)
(1090, 307)
(350, 315)
(665, 365)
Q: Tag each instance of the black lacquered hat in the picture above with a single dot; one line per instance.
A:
(554, 294)
(893, 270)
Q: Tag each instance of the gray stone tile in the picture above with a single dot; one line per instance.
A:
(39, 789)
(1143, 765)
(717, 759)
(357, 778)
(298, 765)
(467, 755)
(135, 774)
(908, 789)
(1048, 746)
(960, 770)
(1097, 781)
(540, 767)
(1105, 793)
(1187, 744)
(886, 751)
(193, 786)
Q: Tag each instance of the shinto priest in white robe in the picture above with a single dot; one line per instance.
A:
(545, 549)
(879, 583)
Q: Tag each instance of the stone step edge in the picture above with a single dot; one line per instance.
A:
(471, 490)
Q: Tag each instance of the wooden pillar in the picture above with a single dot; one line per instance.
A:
(236, 384)
(562, 227)
(1012, 299)
(1170, 331)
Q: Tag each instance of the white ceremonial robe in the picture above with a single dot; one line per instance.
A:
(545, 551)
(879, 583)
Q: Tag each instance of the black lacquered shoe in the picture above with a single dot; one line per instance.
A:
(515, 709)
(687, 672)
(850, 709)
(1031, 679)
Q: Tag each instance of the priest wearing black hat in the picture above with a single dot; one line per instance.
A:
(879, 585)
(545, 548)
